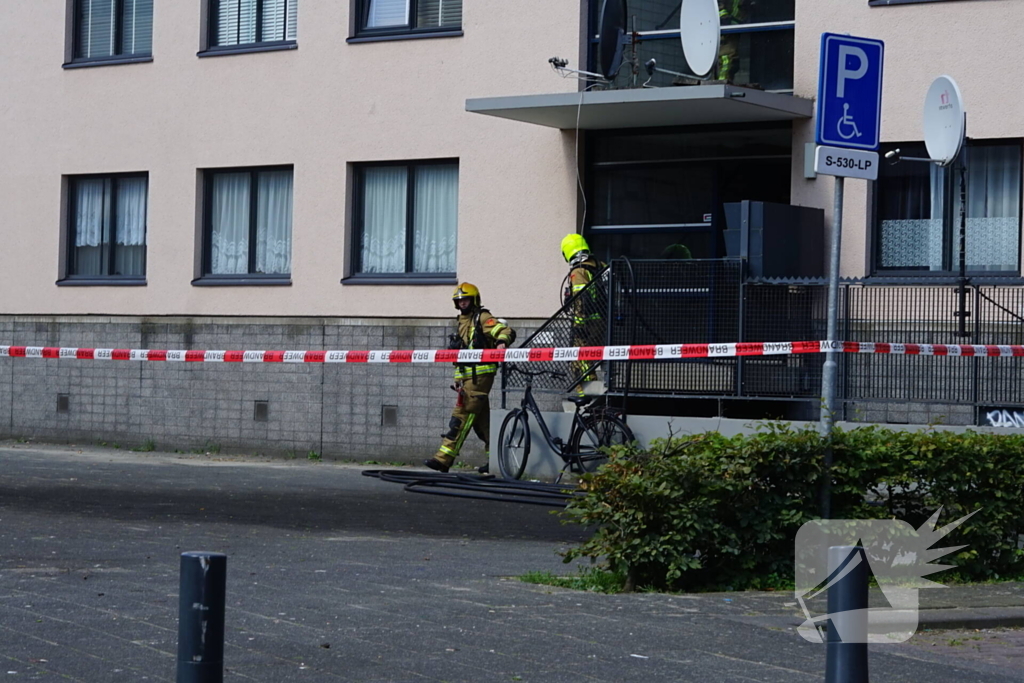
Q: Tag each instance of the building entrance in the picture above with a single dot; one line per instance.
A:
(658, 194)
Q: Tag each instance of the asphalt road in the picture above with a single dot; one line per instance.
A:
(333, 576)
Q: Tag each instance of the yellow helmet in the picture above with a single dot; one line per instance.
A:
(466, 291)
(573, 244)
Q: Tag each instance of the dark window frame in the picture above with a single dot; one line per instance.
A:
(950, 253)
(208, 278)
(256, 46)
(118, 57)
(359, 34)
(358, 199)
(72, 230)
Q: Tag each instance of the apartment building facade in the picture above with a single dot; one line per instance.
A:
(312, 174)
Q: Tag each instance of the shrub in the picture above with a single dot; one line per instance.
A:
(716, 512)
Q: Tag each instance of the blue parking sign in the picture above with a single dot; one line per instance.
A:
(850, 92)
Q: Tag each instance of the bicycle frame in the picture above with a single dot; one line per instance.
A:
(556, 444)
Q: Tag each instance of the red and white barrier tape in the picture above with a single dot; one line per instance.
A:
(521, 355)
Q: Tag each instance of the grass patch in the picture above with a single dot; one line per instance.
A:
(593, 580)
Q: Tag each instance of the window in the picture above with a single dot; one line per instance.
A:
(918, 211)
(757, 45)
(396, 17)
(235, 23)
(248, 225)
(112, 29)
(406, 219)
(107, 227)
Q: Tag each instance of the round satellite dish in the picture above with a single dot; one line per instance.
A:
(611, 37)
(944, 123)
(700, 28)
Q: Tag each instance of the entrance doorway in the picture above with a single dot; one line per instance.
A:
(650, 191)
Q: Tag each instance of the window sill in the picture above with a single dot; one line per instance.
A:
(247, 49)
(112, 281)
(883, 3)
(106, 61)
(400, 279)
(243, 281)
(942, 279)
(405, 35)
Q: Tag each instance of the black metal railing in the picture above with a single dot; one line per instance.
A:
(710, 301)
(581, 321)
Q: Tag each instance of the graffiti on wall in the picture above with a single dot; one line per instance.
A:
(1004, 418)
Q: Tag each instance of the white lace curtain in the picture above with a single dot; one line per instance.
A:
(130, 231)
(230, 223)
(384, 213)
(274, 222)
(435, 219)
(435, 229)
(92, 226)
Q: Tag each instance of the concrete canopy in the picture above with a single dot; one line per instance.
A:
(646, 107)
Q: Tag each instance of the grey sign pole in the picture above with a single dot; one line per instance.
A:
(830, 372)
(830, 369)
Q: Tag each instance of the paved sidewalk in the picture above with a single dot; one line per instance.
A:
(333, 576)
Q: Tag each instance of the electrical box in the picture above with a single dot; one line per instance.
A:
(776, 240)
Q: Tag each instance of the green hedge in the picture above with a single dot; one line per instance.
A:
(716, 512)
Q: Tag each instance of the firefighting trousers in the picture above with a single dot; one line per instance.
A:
(589, 333)
(472, 412)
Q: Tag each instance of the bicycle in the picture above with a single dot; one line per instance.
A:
(594, 430)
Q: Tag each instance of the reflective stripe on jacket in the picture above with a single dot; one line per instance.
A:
(480, 329)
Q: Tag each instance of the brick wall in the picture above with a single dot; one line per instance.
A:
(333, 410)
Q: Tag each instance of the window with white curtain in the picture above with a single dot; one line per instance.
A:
(407, 218)
(248, 228)
(918, 211)
(107, 226)
(245, 22)
(110, 29)
(407, 16)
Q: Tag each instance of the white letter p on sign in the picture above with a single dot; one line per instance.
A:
(844, 73)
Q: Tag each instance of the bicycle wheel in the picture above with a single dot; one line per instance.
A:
(601, 430)
(513, 444)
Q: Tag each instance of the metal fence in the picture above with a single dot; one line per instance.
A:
(581, 321)
(931, 315)
(710, 301)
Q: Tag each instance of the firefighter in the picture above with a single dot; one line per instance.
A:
(730, 12)
(477, 329)
(587, 318)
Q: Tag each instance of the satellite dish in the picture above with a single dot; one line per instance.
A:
(700, 29)
(944, 122)
(611, 37)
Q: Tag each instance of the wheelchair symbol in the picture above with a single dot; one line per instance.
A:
(847, 123)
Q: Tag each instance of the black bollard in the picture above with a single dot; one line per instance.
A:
(846, 654)
(201, 617)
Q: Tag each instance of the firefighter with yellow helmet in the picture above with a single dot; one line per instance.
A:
(477, 328)
(588, 321)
